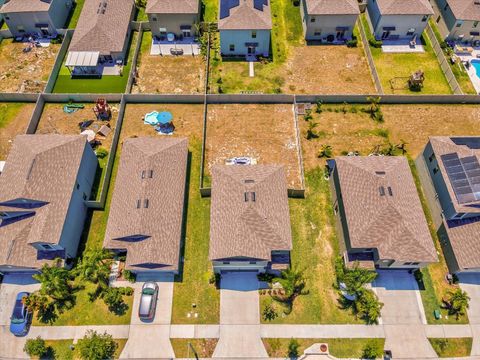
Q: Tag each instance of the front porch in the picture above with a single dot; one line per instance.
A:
(176, 47)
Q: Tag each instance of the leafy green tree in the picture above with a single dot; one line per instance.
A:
(95, 266)
(367, 306)
(326, 151)
(54, 282)
(372, 350)
(457, 302)
(37, 302)
(35, 347)
(95, 346)
(293, 346)
(355, 279)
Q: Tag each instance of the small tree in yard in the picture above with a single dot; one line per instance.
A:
(269, 312)
(457, 302)
(367, 306)
(311, 133)
(372, 350)
(355, 279)
(318, 108)
(55, 282)
(96, 346)
(293, 283)
(35, 347)
(326, 151)
(308, 115)
(95, 266)
(293, 346)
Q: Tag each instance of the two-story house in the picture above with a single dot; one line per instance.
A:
(462, 18)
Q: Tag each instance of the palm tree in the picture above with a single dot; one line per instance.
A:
(355, 279)
(293, 283)
(326, 151)
(402, 146)
(311, 133)
(55, 282)
(458, 302)
(374, 101)
(389, 150)
(95, 266)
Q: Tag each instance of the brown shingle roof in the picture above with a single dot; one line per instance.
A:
(25, 6)
(250, 229)
(172, 7)
(465, 9)
(103, 32)
(42, 168)
(246, 17)
(405, 7)
(332, 7)
(393, 224)
(161, 221)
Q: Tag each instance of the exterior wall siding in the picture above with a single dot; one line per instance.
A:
(172, 23)
(77, 211)
(238, 38)
(326, 25)
(464, 28)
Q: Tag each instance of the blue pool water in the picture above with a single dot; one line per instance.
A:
(476, 65)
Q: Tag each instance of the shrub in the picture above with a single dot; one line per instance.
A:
(35, 347)
(96, 346)
(269, 312)
(367, 306)
(102, 153)
(293, 346)
(129, 276)
(352, 43)
(372, 350)
(214, 279)
(127, 291)
(318, 108)
(375, 43)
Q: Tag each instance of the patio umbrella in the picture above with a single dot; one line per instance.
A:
(90, 135)
(164, 117)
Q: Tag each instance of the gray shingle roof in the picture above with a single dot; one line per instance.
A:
(161, 220)
(405, 7)
(395, 225)
(105, 32)
(246, 17)
(332, 7)
(42, 168)
(465, 9)
(25, 6)
(250, 229)
(172, 7)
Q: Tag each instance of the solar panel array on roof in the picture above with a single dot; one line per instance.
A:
(464, 175)
(226, 5)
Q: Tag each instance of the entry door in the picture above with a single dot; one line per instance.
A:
(385, 34)
(340, 34)
(251, 50)
(187, 33)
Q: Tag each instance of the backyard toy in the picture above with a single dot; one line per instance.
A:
(162, 122)
(104, 131)
(102, 109)
(71, 108)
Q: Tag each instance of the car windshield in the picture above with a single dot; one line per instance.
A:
(17, 316)
(148, 291)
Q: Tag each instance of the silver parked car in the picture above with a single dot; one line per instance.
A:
(148, 301)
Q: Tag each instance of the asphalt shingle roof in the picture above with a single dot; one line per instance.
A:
(42, 168)
(465, 9)
(172, 7)
(253, 228)
(405, 7)
(246, 17)
(332, 7)
(25, 6)
(393, 224)
(161, 220)
(104, 32)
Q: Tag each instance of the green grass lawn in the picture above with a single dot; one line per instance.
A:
(400, 66)
(75, 14)
(315, 248)
(107, 84)
(8, 112)
(86, 312)
(458, 70)
(203, 348)
(341, 348)
(454, 347)
(99, 178)
(140, 14)
(60, 349)
(210, 10)
(433, 285)
(193, 286)
(231, 75)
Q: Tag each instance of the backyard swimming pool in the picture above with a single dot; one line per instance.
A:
(476, 65)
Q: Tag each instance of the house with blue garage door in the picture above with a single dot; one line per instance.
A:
(44, 187)
(245, 27)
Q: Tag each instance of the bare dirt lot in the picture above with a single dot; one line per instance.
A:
(187, 119)
(264, 132)
(328, 69)
(55, 121)
(14, 119)
(25, 71)
(168, 74)
(354, 130)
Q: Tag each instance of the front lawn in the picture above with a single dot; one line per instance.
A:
(315, 247)
(189, 348)
(340, 348)
(107, 84)
(61, 349)
(397, 68)
(192, 286)
(453, 347)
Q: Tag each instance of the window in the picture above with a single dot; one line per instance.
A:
(475, 24)
(154, 18)
(253, 263)
(459, 23)
(47, 246)
(232, 47)
(317, 32)
(312, 19)
(425, 18)
(431, 157)
(150, 174)
(78, 186)
(435, 170)
(85, 196)
(226, 262)
(143, 174)
(254, 34)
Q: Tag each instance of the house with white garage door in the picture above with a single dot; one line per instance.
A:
(249, 218)
(379, 217)
(43, 189)
(146, 212)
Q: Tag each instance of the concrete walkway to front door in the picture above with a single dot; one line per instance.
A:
(239, 317)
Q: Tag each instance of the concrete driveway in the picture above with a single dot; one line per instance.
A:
(399, 292)
(10, 287)
(471, 284)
